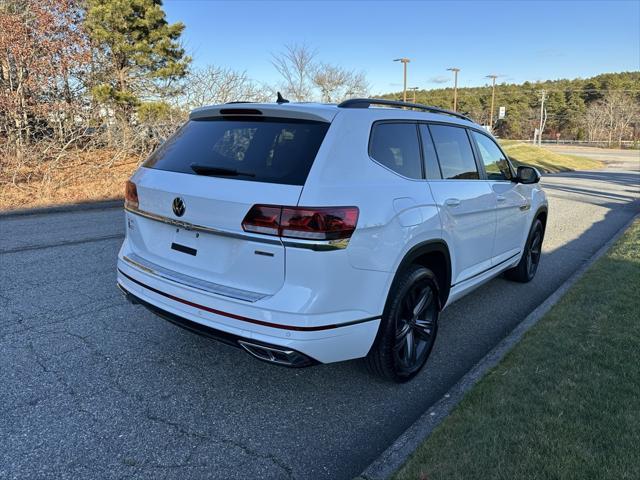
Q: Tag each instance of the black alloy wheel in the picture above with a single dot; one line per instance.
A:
(415, 328)
(408, 327)
(534, 252)
(526, 269)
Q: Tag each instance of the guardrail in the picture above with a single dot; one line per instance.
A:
(585, 143)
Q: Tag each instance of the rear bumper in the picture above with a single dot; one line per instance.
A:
(274, 354)
(318, 338)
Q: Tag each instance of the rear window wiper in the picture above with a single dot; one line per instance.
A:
(219, 171)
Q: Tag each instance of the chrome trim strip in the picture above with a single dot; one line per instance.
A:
(192, 282)
(315, 245)
(201, 228)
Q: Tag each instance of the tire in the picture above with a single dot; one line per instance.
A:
(408, 328)
(528, 265)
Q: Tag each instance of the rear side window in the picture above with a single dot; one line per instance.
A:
(429, 153)
(495, 163)
(272, 150)
(396, 146)
(454, 153)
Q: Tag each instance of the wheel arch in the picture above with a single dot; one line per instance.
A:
(432, 254)
(541, 214)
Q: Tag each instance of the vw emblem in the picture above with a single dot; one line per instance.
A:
(178, 206)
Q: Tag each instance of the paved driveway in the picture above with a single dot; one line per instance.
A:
(92, 387)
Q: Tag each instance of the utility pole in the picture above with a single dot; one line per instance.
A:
(404, 63)
(493, 97)
(455, 71)
(543, 114)
(414, 93)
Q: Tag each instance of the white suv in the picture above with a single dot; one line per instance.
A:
(310, 233)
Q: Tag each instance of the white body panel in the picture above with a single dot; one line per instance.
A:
(219, 203)
(468, 215)
(302, 291)
(513, 203)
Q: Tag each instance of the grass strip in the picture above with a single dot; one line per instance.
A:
(546, 160)
(565, 402)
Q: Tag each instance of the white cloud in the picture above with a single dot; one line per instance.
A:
(439, 79)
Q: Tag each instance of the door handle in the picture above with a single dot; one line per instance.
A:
(501, 198)
(452, 202)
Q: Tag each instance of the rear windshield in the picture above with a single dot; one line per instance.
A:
(273, 150)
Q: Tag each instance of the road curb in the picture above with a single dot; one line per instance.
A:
(70, 207)
(390, 461)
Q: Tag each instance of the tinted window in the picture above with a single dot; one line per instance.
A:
(395, 145)
(495, 163)
(429, 153)
(454, 153)
(261, 150)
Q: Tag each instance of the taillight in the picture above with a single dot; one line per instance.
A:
(309, 223)
(130, 195)
(263, 219)
(326, 223)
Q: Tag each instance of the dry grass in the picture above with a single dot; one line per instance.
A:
(77, 177)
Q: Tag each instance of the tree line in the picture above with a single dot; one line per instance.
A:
(604, 108)
(114, 74)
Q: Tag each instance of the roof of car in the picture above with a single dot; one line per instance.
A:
(326, 112)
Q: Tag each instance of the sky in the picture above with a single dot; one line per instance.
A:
(518, 40)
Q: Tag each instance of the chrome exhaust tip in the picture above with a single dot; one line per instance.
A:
(127, 295)
(277, 355)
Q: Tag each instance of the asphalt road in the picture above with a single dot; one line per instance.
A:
(92, 387)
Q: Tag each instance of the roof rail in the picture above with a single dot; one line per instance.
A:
(367, 102)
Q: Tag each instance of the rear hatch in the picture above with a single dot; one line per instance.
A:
(196, 189)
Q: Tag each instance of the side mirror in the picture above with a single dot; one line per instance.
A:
(527, 175)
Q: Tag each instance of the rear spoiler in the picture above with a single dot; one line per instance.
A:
(320, 113)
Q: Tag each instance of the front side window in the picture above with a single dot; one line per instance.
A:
(495, 163)
(396, 146)
(454, 153)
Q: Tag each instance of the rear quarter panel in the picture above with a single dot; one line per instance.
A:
(396, 213)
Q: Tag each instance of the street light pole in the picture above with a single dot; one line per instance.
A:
(414, 89)
(455, 71)
(493, 97)
(404, 63)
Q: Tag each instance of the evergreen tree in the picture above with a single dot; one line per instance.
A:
(136, 53)
(567, 102)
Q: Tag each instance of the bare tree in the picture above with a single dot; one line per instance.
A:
(626, 110)
(330, 79)
(595, 121)
(296, 66)
(609, 118)
(336, 83)
(42, 51)
(357, 86)
(212, 85)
